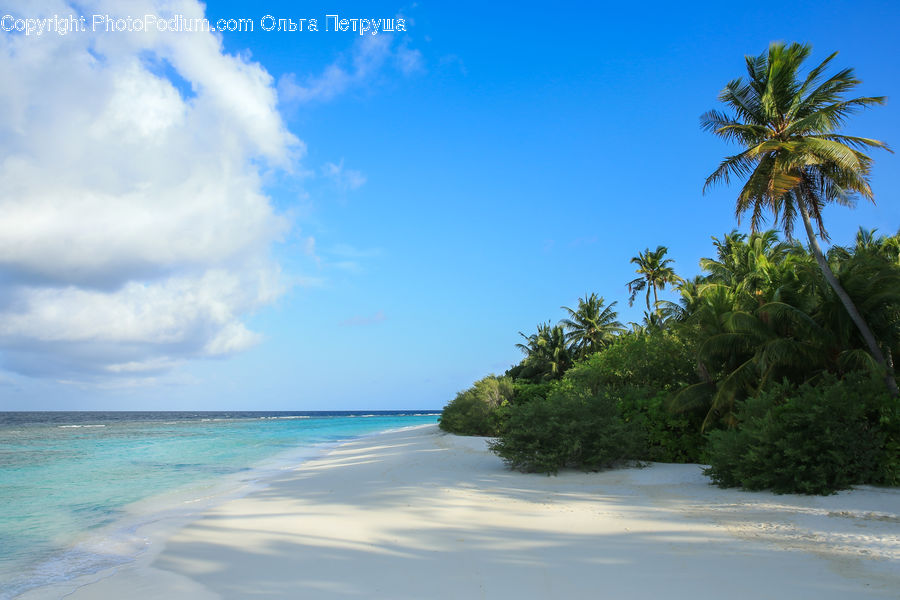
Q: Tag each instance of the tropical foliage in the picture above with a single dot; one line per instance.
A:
(775, 364)
(794, 159)
(476, 411)
(812, 440)
(547, 354)
(655, 271)
(591, 327)
(572, 428)
(758, 327)
(656, 359)
(764, 313)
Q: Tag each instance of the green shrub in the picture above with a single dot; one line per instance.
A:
(658, 360)
(811, 439)
(643, 370)
(524, 391)
(569, 428)
(666, 436)
(476, 411)
(887, 413)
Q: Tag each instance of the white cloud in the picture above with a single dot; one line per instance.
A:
(345, 179)
(309, 249)
(134, 232)
(367, 59)
(408, 60)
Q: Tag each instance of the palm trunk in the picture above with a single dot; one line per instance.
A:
(655, 301)
(857, 319)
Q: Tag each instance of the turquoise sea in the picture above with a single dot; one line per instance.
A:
(75, 487)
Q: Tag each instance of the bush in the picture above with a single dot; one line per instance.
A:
(476, 411)
(887, 416)
(811, 439)
(524, 392)
(643, 370)
(658, 360)
(666, 436)
(569, 428)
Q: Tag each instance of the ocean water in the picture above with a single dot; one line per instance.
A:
(76, 486)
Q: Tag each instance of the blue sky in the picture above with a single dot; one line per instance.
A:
(457, 183)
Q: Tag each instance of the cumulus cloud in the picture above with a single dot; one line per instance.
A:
(369, 57)
(134, 231)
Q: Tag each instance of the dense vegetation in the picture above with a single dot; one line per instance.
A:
(476, 411)
(810, 439)
(774, 366)
(570, 427)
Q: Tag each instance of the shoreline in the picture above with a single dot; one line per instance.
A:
(144, 526)
(418, 513)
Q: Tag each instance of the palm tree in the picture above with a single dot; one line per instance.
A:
(592, 326)
(870, 272)
(794, 159)
(546, 353)
(754, 348)
(754, 266)
(887, 247)
(655, 273)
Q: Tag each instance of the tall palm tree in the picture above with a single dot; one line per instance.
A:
(654, 274)
(592, 326)
(794, 159)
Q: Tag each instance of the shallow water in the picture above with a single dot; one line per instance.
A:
(75, 486)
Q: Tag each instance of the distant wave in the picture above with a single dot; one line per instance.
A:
(419, 414)
(292, 417)
(73, 426)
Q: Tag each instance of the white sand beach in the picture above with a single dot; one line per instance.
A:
(418, 514)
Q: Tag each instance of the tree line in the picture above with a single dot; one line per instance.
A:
(766, 348)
